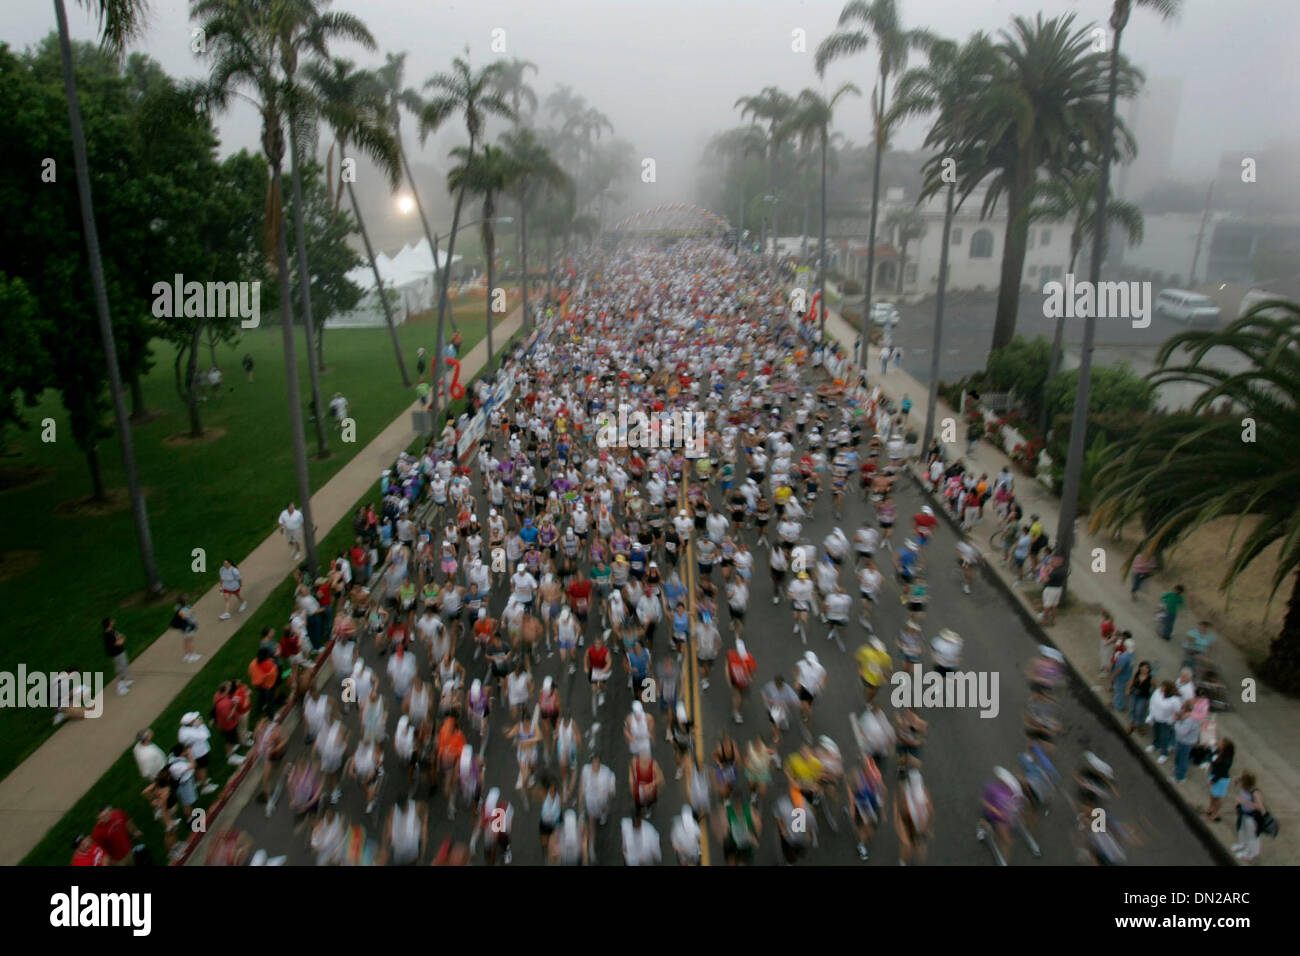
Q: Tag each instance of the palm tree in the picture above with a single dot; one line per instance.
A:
(488, 173)
(299, 27)
(512, 84)
(240, 42)
(533, 166)
(120, 21)
(907, 225)
(812, 120)
(1072, 198)
(948, 86)
(584, 128)
(399, 97)
(774, 107)
(351, 101)
(876, 21)
(1116, 85)
(1170, 456)
(471, 94)
(1044, 106)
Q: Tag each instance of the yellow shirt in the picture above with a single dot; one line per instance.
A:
(1035, 530)
(783, 494)
(804, 771)
(872, 664)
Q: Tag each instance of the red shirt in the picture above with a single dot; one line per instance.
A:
(242, 698)
(598, 658)
(580, 595)
(1107, 629)
(358, 557)
(740, 668)
(95, 856)
(289, 645)
(111, 837)
(227, 716)
(924, 522)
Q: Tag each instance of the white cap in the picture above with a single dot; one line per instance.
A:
(810, 657)
(927, 511)
(1008, 778)
(476, 687)
(492, 512)
(521, 567)
(637, 708)
(191, 717)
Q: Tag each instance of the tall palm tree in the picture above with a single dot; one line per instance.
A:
(472, 95)
(1170, 456)
(812, 117)
(907, 225)
(399, 98)
(512, 83)
(774, 107)
(952, 81)
(585, 128)
(533, 167)
(861, 23)
(1072, 198)
(1115, 87)
(305, 27)
(1046, 104)
(240, 43)
(120, 21)
(488, 174)
(351, 101)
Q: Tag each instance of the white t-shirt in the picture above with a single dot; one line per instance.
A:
(291, 522)
(598, 788)
(640, 846)
(195, 738)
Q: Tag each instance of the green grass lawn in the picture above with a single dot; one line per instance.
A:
(121, 786)
(222, 496)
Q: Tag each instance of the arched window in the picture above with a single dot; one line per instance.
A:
(981, 244)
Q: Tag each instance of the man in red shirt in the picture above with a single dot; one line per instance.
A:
(114, 835)
(598, 669)
(924, 522)
(740, 674)
(579, 591)
(244, 704)
(226, 710)
(86, 852)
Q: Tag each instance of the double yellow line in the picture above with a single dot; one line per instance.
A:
(692, 661)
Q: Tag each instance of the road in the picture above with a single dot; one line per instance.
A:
(961, 750)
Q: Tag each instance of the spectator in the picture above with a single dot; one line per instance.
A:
(1143, 567)
(1139, 697)
(115, 648)
(1171, 603)
(194, 736)
(1220, 777)
(181, 768)
(149, 757)
(1053, 588)
(184, 621)
(1187, 731)
(225, 710)
(1251, 817)
(248, 366)
(86, 852)
(115, 832)
(263, 674)
(71, 698)
(1165, 705)
(231, 584)
(1121, 674)
(1107, 643)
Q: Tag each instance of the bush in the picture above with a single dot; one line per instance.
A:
(1022, 365)
(1115, 390)
(850, 287)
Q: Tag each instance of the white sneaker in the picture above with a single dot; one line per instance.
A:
(208, 787)
(1150, 748)
(243, 606)
(965, 589)
(224, 616)
(234, 760)
(336, 796)
(704, 683)
(123, 690)
(1162, 758)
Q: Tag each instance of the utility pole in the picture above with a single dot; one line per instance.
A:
(1200, 235)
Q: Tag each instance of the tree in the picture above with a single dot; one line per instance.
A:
(512, 84)
(487, 174)
(908, 225)
(120, 21)
(239, 43)
(534, 168)
(876, 21)
(1243, 430)
(24, 363)
(774, 107)
(1021, 365)
(811, 120)
(354, 105)
(1120, 391)
(470, 94)
(1117, 85)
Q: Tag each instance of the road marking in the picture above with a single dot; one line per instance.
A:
(693, 665)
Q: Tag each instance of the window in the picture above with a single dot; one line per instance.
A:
(1047, 237)
(909, 274)
(956, 237)
(981, 244)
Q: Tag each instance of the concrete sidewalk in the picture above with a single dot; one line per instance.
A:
(1266, 732)
(48, 784)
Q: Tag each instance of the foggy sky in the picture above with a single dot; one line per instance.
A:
(667, 72)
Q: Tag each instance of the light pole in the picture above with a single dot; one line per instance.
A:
(440, 346)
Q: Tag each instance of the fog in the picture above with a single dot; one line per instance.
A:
(668, 72)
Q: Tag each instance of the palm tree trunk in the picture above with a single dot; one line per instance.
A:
(821, 243)
(442, 301)
(379, 283)
(1015, 239)
(187, 390)
(96, 474)
(937, 345)
(523, 258)
(1079, 424)
(291, 378)
(424, 222)
(153, 581)
(489, 244)
(304, 290)
(871, 234)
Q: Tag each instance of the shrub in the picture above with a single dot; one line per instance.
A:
(1114, 390)
(851, 287)
(1022, 365)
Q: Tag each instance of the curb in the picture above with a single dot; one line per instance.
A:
(1083, 692)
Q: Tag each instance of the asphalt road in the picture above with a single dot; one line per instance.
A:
(968, 330)
(961, 750)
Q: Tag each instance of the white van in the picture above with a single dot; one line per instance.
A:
(1190, 307)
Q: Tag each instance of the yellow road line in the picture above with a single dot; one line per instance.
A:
(693, 664)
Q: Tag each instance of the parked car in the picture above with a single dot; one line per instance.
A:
(1255, 296)
(1190, 307)
(884, 314)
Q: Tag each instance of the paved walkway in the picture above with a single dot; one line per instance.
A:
(1266, 732)
(48, 784)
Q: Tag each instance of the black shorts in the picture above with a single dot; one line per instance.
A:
(737, 613)
(804, 696)
(232, 735)
(916, 607)
(202, 762)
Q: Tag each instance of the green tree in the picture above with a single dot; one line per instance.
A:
(534, 170)
(1233, 453)
(773, 107)
(24, 363)
(1119, 390)
(487, 175)
(1021, 365)
(908, 226)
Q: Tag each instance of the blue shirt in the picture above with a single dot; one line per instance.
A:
(529, 534)
(907, 561)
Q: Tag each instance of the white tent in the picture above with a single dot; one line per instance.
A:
(409, 274)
